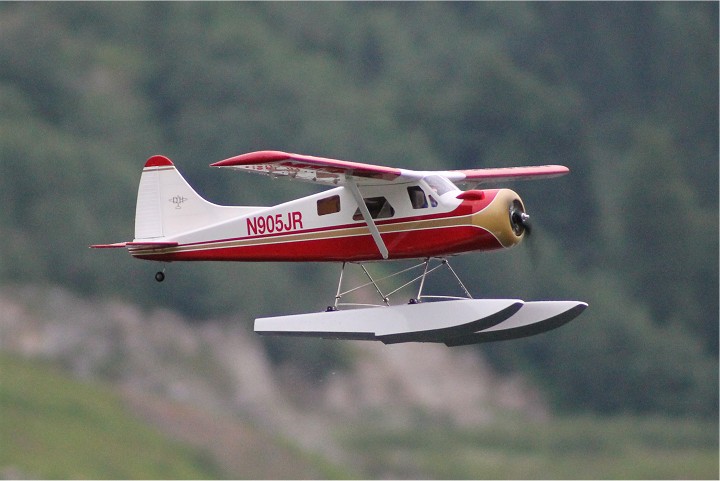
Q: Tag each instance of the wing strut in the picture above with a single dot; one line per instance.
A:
(368, 219)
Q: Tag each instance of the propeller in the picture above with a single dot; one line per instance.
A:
(520, 222)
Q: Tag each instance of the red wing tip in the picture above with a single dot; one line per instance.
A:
(158, 161)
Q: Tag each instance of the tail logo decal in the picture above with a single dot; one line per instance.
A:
(178, 200)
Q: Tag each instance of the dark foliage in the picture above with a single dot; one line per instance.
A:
(625, 94)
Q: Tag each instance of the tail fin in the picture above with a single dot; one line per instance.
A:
(167, 205)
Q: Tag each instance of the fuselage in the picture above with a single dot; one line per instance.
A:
(430, 217)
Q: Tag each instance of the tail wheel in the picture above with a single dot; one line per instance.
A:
(160, 276)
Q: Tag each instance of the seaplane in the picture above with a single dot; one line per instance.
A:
(367, 214)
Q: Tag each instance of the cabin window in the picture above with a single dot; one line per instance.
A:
(417, 197)
(379, 208)
(440, 185)
(328, 205)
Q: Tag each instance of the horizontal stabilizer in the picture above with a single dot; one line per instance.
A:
(117, 245)
(136, 245)
(150, 245)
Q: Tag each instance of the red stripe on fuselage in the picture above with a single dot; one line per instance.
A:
(402, 245)
(347, 244)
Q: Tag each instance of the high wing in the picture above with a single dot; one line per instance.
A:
(504, 174)
(340, 172)
(314, 169)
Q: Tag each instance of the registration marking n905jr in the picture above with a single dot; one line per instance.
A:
(268, 224)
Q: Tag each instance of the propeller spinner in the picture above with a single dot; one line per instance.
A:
(519, 220)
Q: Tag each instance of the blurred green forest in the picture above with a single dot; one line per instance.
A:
(625, 94)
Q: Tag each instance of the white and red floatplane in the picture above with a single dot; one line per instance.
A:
(370, 213)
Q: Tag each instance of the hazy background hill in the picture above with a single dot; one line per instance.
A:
(625, 94)
(95, 388)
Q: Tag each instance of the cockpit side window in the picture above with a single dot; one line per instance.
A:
(328, 205)
(417, 197)
(379, 208)
(440, 185)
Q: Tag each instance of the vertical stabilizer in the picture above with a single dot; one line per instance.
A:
(167, 205)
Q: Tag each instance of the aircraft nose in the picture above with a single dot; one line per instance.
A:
(505, 218)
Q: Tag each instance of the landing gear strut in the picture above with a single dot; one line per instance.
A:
(427, 269)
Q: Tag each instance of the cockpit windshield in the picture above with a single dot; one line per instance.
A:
(440, 185)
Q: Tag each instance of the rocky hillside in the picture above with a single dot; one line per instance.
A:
(218, 367)
(402, 412)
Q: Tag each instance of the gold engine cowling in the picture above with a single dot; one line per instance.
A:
(505, 218)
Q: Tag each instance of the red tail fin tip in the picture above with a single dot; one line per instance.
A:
(158, 161)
